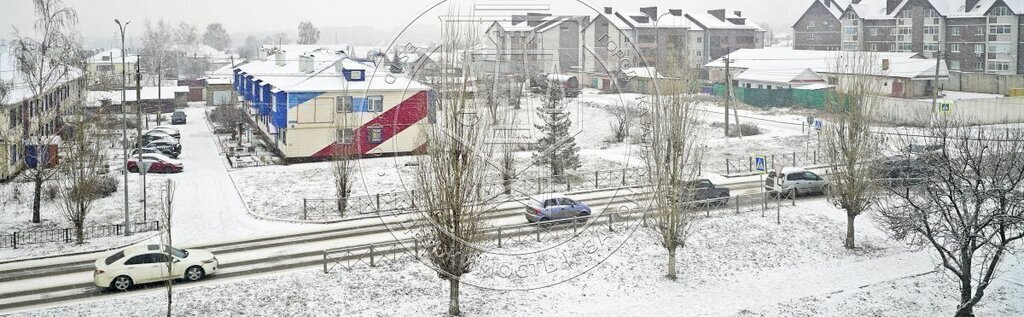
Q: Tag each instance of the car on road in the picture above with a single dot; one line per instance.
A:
(901, 170)
(178, 117)
(705, 192)
(795, 181)
(140, 264)
(549, 207)
(158, 163)
(155, 150)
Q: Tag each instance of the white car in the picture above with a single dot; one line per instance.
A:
(148, 263)
(795, 181)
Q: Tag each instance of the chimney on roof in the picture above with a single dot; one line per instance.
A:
(970, 4)
(306, 63)
(718, 14)
(279, 58)
(854, 1)
(890, 5)
(651, 12)
(738, 13)
(607, 10)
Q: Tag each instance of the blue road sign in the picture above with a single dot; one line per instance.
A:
(761, 164)
(818, 124)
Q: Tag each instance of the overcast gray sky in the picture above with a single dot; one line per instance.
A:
(259, 16)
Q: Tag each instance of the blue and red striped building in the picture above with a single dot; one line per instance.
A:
(318, 103)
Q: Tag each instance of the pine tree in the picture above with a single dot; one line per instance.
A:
(556, 147)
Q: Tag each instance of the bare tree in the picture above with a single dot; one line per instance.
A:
(848, 138)
(167, 204)
(79, 175)
(345, 151)
(155, 48)
(673, 139)
(308, 34)
(450, 174)
(970, 206)
(623, 117)
(45, 65)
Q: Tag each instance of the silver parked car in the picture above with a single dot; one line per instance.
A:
(795, 181)
(549, 207)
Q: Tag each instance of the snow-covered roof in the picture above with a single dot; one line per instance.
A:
(326, 75)
(901, 65)
(871, 10)
(877, 9)
(96, 98)
(114, 55)
(20, 89)
(788, 76)
(732, 21)
(642, 72)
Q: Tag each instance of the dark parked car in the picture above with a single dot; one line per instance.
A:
(168, 147)
(705, 191)
(901, 170)
(178, 117)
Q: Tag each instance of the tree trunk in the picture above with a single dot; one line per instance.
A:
(80, 231)
(849, 230)
(453, 296)
(35, 197)
(671, 264)
(966, 308)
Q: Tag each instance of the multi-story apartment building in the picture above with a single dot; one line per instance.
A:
(982, 36)
(30, 118)
(818, 28)
(725, 32)
(547, 43)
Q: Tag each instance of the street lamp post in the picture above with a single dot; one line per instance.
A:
(124, 123)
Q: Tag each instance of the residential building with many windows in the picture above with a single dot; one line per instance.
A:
(981, 36)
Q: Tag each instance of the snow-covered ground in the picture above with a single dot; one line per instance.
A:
(207, 207)
(733, 265)
(262, 190)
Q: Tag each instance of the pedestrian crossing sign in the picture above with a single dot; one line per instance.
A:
(945, 106)
(761, 164)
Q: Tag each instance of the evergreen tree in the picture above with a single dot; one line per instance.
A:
(557, 148)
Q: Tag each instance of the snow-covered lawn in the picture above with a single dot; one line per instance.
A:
(733, 265)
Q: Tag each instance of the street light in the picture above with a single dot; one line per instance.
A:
(124, 123)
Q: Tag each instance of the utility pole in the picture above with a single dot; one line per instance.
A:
(143, 168)
(728, 95)
(935, 85)
(124, 122)
(159, 87)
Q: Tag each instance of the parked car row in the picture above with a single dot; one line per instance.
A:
(159, 151)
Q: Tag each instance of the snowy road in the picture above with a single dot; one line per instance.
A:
(207, 207)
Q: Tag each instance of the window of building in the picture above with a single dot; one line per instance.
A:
(999, 29)
(375, 134)
(955, 65)
(810, 37)
(346, 136)
(1001, 11)
(904, 47)
(931, 47)
(874, 31)
(104, 68)
(905, 14)
(810, 24)
(954, 48)
(344, 104)
(998, 66)
(979, 65)
(931, 13)
(931, 30)
(955, 31)
(979, 30)
(375, 103)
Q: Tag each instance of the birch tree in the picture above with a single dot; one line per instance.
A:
(970, 207)
(673, 139)
(344, 152)
(450, 174)
(849, 142)
(45, 65)
(167, 206)
(308, 34)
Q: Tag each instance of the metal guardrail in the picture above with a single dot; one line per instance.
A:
(327, 209)
(746, 165)
(395, 252)
(67, 235)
